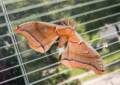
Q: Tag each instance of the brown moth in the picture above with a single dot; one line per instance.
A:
(77, 54)
(40, 35)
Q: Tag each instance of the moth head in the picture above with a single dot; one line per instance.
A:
(67, 22)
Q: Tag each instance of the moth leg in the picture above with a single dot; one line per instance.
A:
(63, 40)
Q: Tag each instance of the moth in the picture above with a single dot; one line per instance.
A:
(77, 53)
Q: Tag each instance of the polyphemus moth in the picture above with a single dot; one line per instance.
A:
(77, 54)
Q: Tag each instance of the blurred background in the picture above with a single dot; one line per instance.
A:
(98, 23)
